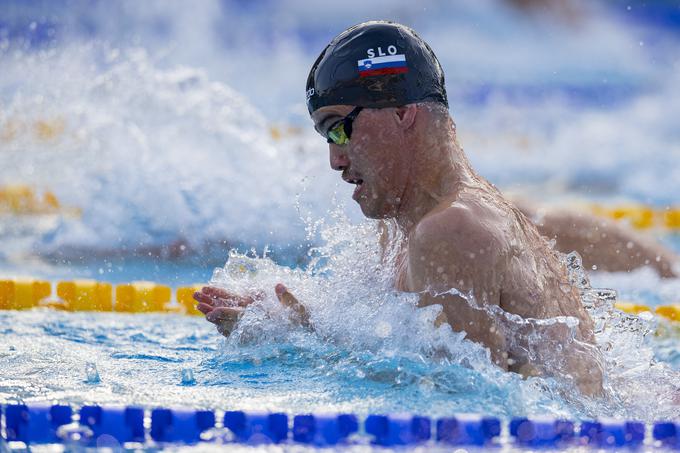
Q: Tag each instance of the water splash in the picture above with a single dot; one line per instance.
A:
(157, 140)
(155, 157)
(91, 373)
(187, 375)
(364, 330)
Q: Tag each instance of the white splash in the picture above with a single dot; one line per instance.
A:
(348, 290)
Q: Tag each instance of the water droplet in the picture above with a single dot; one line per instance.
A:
(188, 376)
(109, 442)
(426, 385)
(383, 329)
(91, 373)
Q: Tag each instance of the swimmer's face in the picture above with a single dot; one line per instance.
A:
(374, 159)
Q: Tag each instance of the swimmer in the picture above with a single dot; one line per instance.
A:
(377, 94)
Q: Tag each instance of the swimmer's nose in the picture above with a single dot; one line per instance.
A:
(339, 159)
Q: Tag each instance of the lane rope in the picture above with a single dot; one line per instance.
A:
(131, 427)
(150, 297)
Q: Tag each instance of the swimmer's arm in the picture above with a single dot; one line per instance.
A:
(477, 324)
(441, 258)
(578, 358)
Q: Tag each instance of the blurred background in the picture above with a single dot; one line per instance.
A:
(143, 140)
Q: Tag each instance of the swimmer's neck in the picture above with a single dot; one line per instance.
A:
(439, 171)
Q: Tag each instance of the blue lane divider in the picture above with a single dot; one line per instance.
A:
(116, 426)
(541, 432)
(124, 424)
(324, 430)
(391, 430)
(257, 428)
(613, 433)
(668, 433)
(180, 425)
(467, 429)
(36, 424)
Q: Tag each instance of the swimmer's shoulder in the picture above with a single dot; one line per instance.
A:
(461, 220)
(455, 238)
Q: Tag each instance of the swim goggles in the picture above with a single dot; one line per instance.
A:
(340, 132)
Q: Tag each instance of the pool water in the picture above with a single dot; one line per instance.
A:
(145, 359)
(362, 356)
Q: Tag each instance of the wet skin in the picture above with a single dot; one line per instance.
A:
(607, 245)
(459, 233)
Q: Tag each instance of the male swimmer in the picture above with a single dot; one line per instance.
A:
(377, 94)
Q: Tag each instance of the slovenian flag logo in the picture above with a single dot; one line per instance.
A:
(389, 64)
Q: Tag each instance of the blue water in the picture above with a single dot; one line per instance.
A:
(140, 359)
(362, 356)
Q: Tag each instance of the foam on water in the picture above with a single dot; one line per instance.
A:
(152, 157)
(628, 152)
(151, 142)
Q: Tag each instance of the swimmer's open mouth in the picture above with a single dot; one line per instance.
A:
(357, 189)
(358, 182)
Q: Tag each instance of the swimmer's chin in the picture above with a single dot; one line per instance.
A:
(377, 215)
(377, 211)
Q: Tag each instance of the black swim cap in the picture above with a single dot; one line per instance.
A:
(375, 64)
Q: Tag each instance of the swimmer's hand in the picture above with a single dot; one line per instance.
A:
(224, 308)
(299, 313)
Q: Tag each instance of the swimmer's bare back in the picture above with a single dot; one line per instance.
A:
(478, 243)
(602, 243)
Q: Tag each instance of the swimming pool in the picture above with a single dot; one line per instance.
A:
(362, 359)
(150, 158)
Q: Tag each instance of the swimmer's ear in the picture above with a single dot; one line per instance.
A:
(406, 115)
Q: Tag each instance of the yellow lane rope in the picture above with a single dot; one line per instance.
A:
(670, 312)
(23, 200)
(91, 295)
(641, 216)
(150, 297)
